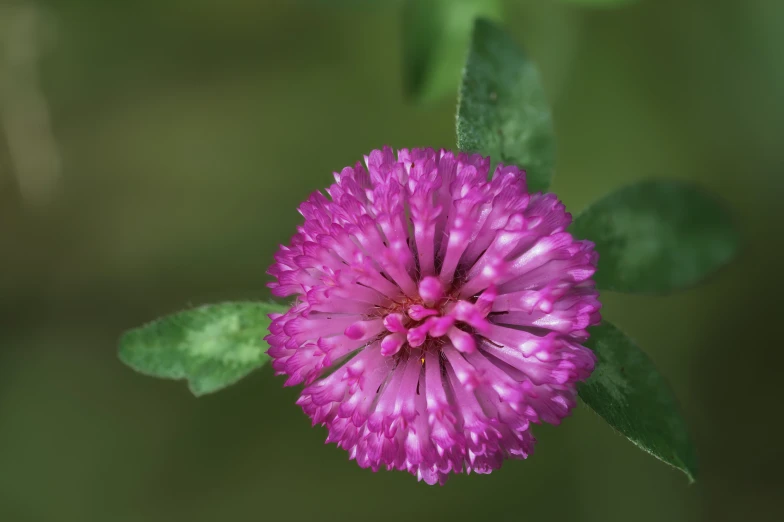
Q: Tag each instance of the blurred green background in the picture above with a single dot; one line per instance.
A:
(152, 154)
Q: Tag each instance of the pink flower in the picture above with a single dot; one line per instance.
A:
(437, 314)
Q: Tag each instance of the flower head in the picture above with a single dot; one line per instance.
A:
(437, 314)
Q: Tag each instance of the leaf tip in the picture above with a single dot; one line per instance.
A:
(125, 351)
(483, 24)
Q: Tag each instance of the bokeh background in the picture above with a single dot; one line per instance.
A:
(152, 154)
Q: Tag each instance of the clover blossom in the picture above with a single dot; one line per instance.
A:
(437, 314)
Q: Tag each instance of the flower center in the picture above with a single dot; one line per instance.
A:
(435, 318)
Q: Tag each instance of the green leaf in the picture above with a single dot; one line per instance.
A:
(657, 237)
(627, 391)
(435, 41)
(212, 346)
(502, 110)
